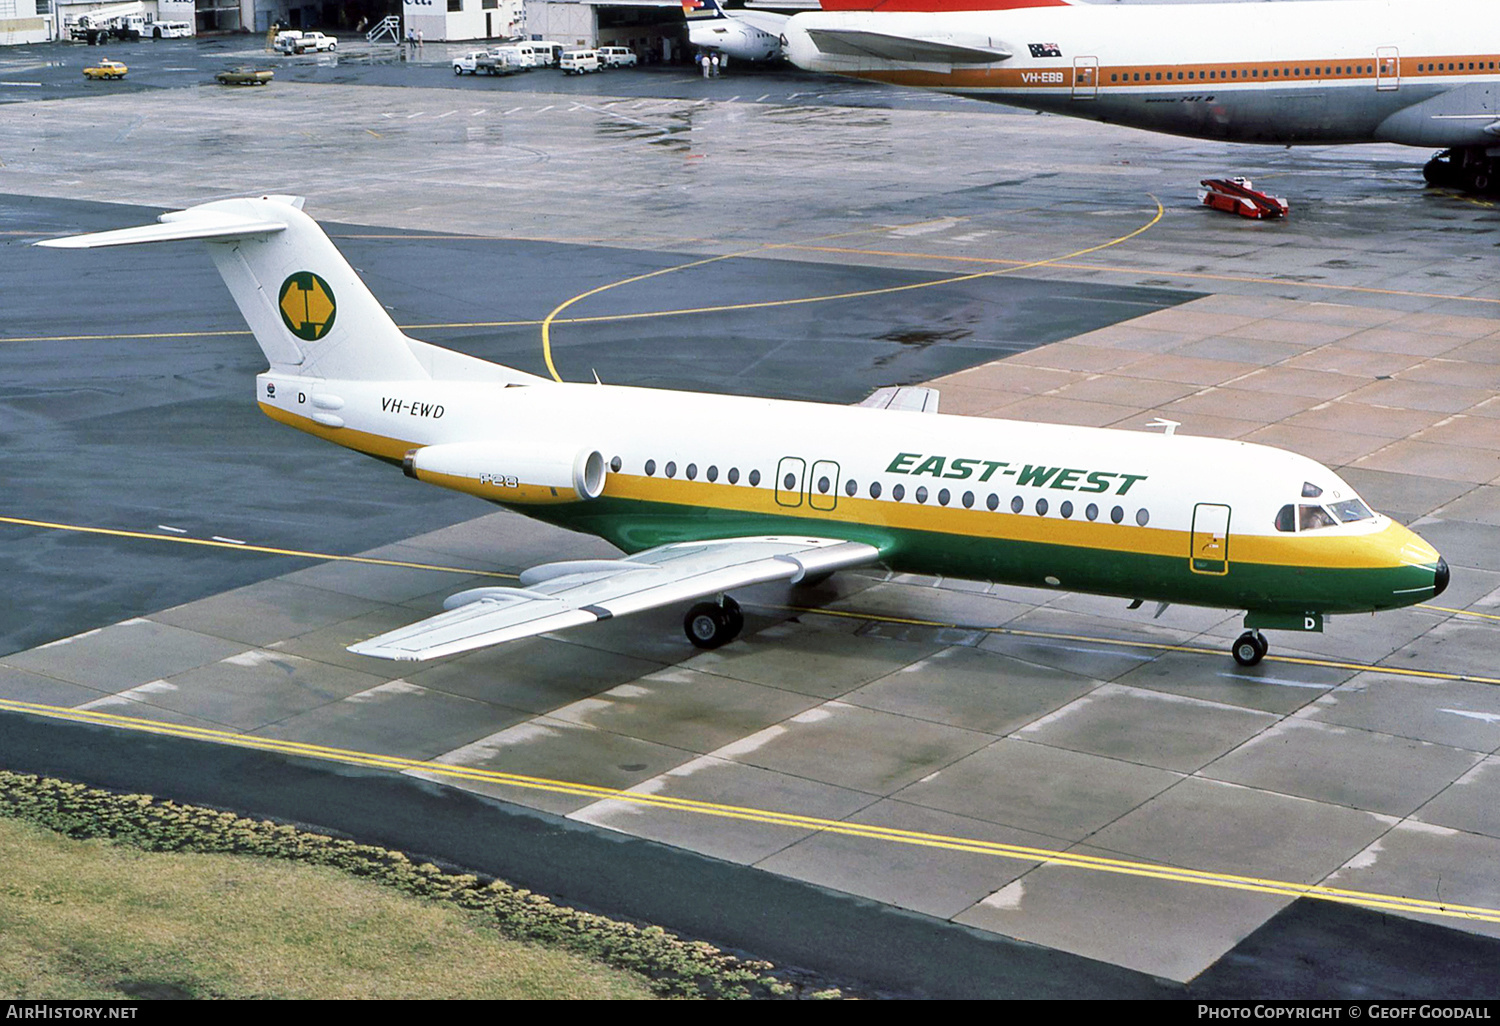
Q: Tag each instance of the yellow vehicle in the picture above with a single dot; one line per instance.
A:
(106, 68)
(244, 76)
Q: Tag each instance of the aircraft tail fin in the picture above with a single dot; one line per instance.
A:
(696, 10)
(308, 309)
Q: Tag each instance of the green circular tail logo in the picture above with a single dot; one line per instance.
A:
(307, 306)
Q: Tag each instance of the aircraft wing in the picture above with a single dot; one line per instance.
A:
(913, 49)
(909, 398)
(568, 594)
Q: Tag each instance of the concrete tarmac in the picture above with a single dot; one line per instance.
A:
(1000, 765)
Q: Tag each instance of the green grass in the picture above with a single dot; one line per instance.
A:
(97, 920)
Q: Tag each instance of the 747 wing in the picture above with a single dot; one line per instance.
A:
(568, 594)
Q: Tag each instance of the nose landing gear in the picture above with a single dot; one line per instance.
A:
(712, 624)
(1250, 648)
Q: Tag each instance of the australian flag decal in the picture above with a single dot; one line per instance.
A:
(1044, 49)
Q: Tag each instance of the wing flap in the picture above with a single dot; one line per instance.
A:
(913, 49)
(905, 398)
(560, 595)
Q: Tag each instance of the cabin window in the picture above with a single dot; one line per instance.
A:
(1041, 507)
(734, 475)
(1117, 514)
(943, 497)
(1310, 490)
(823, 485)
(713, 474)
(789, 482)
(898, 493)
(922, 493)
(1351, 510)
(874, 489)
(650, 467)
(968, 500)
(993, 502)
(1092, 512)
(1114, 77)
(1066, 509)
(1138, 76)
(1143, 516)
(615, 464)
(850, 488)
(692, 471)
(754, 478)
(1311, 518)
(1016, 505)
(671, 468)
(1286, 519)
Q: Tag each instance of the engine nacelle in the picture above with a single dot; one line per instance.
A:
(511, 472)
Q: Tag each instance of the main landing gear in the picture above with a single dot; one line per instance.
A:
(711, 624)
(1250, 648)
(1469, 168)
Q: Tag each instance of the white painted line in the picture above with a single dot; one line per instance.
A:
(543, 110)
(22, 85)
(731, 99)
(476, 113)
(174, 530)
(1276, 680)
(513, 110)
(1486, 717)
(388, 114)
(761, 97)
(416, 115)
(231, 541)
(447, 115)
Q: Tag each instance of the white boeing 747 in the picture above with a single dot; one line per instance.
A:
(709, 493)
(1417, 72)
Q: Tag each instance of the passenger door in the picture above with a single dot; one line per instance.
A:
(823, 486)
(789, 478)
(1387, 68)
(1085, 78)
(1210, 542)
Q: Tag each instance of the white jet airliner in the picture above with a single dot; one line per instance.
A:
(743, 35)
(708, 493)
(1418, 72)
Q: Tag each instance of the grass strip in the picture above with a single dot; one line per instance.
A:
(675, 967)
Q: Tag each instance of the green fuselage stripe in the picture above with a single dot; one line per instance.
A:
(634, 525)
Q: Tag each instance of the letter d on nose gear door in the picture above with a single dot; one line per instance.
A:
(789, 474)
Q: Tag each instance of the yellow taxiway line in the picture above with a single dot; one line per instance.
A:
(892, 835)
(1156, 646)
(242, 547)
(859, 294)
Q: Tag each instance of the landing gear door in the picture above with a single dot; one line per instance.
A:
(823, 485)
(1387, 68)
(789, 479)
(1085, 78)
(1210, 552)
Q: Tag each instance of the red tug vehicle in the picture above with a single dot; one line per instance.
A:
(1237, 196)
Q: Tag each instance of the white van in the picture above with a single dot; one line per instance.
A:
(579, 62)
(547, 52)
(520, 54)
(617, 57)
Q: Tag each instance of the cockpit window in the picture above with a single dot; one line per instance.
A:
(1351, 510)
(1310, 518)
(1286, 519)
(1310, 490)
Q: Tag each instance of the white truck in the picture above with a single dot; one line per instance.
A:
(293, 41)
(617, 57)
(97, 26)
(486, 62)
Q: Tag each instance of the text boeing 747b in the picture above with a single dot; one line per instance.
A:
(708, 493)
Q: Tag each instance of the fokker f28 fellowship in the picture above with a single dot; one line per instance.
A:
(709, 493)
(1418, 72)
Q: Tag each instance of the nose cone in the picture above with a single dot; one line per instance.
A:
(1440, 577)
